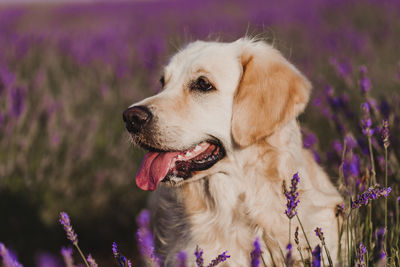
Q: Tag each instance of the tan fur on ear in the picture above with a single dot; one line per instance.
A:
(270, 94)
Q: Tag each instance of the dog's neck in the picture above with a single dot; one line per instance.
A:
(230, 199)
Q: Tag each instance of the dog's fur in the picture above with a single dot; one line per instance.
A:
(252, 112)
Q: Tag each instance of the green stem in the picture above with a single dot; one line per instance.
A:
(290, 221)
(80, 252)
(301, 256)
(386, 185)
(347, 236)
(371, 155)
(328, 255)
(304, 233)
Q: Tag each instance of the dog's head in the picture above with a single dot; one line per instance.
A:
(216, 98)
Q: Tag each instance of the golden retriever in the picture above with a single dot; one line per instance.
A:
(222, 137)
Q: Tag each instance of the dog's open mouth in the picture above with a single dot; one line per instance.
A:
(177, 165)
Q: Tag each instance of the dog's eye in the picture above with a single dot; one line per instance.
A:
(202, 84)
(162, 81)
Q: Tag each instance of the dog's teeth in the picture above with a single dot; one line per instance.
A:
(197, 148)
(188, 154)
(180, 157)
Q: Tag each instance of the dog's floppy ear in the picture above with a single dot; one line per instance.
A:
(271, 93)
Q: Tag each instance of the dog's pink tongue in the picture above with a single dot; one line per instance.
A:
(154, 168)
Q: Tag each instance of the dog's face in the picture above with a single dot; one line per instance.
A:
(216, 98)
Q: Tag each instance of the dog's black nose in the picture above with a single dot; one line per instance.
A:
(136, 117)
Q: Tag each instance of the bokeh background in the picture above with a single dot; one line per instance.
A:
(69, 69)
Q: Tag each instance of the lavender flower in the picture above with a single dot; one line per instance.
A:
(122, 261)
(91, 261)
(379, 252)
(199, 257)
(220, 258)
(256, 254)
(398, 200)
(292, 196)
(145, 237)
(288, 258)
(65, 222)
(385, 133)
(316, 257)
(319, 233)
(67, 256)
(309, 140)
(350, 142)
(17, 100)
(374, 192)
(361, 250)
(366, 123)
(181, 259)
(365, 83)
(9, 260)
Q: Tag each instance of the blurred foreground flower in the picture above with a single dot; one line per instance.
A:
(256, 254)
(181, 259)
(316, 257)
(145, 238)
(9, 260)
(67, 256)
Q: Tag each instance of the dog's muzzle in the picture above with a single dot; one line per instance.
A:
(136, 118)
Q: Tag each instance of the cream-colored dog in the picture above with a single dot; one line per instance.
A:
(222, 137)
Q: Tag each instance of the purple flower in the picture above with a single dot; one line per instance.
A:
(199, 257)
(316, 257)
(288, 258)
(351, 167)
(385, 133)
(65, 222)
(181, 259)
(91, 261)
(319, 233)
(350, 142)
(398, 200)
(372, 193)
(48, 260)
(220, 258)
(9, 260)
(122, 261)
(365, 83)
(145, 237)
(361, 250)
(338, 147)
(292, 196)
(67, 256)
(255, 254)
(379, 252)
(366, 123)
(309, 140)
(7, 78)
(17, 100)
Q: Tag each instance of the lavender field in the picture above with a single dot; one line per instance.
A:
(67, 71)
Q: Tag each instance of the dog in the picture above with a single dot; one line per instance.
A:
(222, 137)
